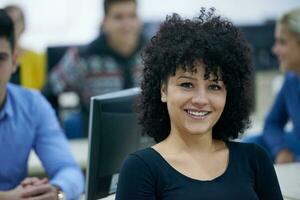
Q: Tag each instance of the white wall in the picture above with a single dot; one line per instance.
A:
(55, 22)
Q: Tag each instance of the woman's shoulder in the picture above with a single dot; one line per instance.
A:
(247, 149)
(144, 158)
(249, 153)
(240, 145)
(291, 78)
(148, 155)
(142, 163)
(291, 75)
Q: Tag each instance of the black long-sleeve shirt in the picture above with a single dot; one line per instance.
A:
(249, 175)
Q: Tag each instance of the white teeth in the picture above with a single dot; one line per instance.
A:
(197, 113)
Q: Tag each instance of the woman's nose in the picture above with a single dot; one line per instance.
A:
(200, 97)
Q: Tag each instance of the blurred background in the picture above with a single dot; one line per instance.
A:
(58, 22)
(76, 22)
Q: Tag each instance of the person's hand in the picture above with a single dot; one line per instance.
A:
(33, 181)
(40, 192)
(284, 156)
(14, 194)
(31, 189)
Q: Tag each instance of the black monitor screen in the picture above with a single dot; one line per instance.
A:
(113, 134)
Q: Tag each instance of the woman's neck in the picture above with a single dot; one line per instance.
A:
(194, 144)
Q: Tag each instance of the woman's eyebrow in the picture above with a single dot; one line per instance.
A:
(186, 77)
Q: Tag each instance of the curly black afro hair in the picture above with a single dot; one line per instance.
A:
(180, 43)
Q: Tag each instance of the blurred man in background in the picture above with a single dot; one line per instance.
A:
(110, 63)
(28, 122)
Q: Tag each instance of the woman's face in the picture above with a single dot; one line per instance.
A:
(194, 104)
(287, 49)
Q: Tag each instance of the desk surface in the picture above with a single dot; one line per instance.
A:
(289, 180)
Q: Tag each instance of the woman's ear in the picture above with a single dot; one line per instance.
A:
(163, 93)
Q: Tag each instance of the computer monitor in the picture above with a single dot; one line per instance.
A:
(113, 134)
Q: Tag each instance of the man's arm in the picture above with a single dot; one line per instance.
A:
(66, 74)
(53, 150)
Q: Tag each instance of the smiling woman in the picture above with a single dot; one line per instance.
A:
(194, 103)
(195, 98)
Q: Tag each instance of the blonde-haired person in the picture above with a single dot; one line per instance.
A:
(285, 147)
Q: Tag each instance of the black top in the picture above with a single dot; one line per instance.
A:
(249, 175)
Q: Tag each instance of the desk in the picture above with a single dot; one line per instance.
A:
(79, 148)
(110, 197)
(289, 180)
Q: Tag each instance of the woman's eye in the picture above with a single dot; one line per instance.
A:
(215, 87)
(186, 85)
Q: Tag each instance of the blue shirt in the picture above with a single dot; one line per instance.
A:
(286, 107)
(27, 122)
